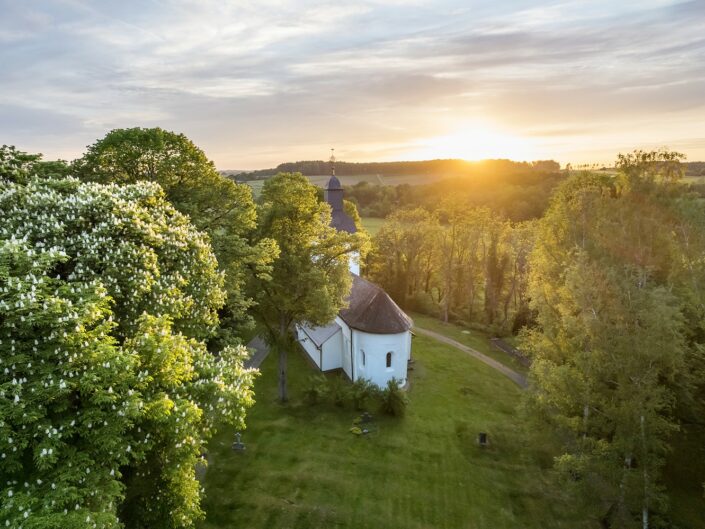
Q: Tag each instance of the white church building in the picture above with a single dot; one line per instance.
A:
(369, 339)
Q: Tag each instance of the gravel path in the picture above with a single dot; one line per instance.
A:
(261, 350)
(515, 377)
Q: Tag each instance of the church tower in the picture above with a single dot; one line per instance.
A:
(333, 195)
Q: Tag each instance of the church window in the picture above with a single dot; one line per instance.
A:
(363, 358)
(389, 359)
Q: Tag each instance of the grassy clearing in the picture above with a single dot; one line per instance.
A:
(350, 180)
(470, 337)
(303, 468)
(372, 224)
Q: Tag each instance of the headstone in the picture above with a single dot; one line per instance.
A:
(238, 445)
(366, 417)
(482, 439)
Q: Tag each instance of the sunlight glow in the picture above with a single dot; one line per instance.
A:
(476, 141)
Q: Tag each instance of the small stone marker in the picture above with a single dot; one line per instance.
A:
(366, 417)
(238, 445)
(482, 439)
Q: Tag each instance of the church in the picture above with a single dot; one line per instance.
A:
(371, 338)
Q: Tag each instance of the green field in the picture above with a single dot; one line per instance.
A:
(303, 469)
(349, 180)
(372, 224)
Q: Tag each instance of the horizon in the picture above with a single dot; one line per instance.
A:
(255, 84)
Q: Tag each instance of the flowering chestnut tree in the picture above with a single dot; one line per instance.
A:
(215, 204)
(107, 391)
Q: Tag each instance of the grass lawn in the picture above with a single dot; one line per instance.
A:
(256, 186)
(470, 337)
(372, 224)
(303, 469)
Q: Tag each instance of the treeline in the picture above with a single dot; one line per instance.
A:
(517, 193)
(607, 292)
(695, 169)
(459, 263)
(618, 285)
(435, 168)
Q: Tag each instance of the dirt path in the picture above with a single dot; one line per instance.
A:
(515, 377)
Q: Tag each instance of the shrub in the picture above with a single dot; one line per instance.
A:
(393, 399)
(316, 389)
(362, 392)
(338, 391)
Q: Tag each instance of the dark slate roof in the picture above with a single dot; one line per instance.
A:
(320, 335)
(372, 310)
(342, 222)
(334, 183)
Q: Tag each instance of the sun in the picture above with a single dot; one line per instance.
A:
(475, 141)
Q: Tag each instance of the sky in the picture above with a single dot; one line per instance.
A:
(255, 84)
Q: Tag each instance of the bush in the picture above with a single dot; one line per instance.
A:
(339, 391)
(362, 392)
(316, 389)
(393, 399)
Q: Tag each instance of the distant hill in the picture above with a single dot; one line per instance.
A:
(428, 170)
(232, 172)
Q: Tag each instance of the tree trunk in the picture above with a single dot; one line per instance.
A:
(283, 394)
(645, 508)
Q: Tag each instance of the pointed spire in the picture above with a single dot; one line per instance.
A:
(332, 161)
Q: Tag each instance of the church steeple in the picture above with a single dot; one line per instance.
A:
(333, 193)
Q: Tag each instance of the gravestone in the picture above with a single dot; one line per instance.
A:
(238, 445)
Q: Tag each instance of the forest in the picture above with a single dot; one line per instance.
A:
(606, 292)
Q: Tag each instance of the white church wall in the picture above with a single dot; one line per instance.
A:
(346, 339)
(332, 352)
(375, 347)
(308, 346)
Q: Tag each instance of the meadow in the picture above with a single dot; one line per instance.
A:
(350, 180)
(303, 468)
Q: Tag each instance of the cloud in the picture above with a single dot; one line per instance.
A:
(259, 83)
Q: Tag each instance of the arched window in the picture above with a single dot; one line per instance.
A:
(363, 358)
(389, 359)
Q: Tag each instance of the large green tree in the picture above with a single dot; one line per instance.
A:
(310, 279)
(617, 287)
(215, 204)
(108, 394)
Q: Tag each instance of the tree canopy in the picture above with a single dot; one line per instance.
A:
(618, 285)
(310, 279)
(107, 392)
(215, 204)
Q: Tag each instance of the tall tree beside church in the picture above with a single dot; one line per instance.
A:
(215, 204)
(403, 252)
(310, 278)
(611, 353)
